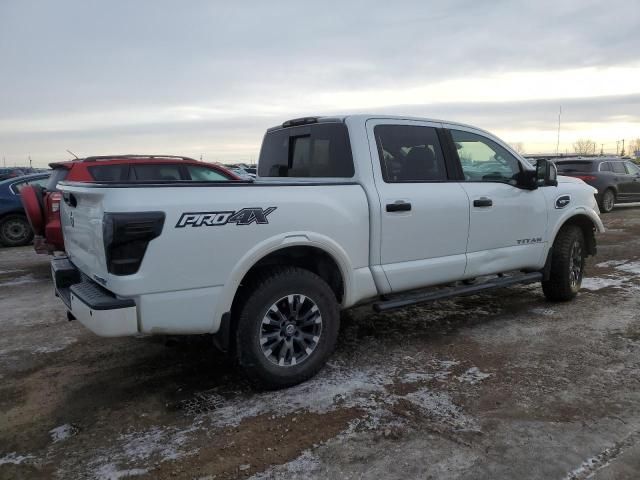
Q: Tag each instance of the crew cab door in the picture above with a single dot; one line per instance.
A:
(508, 224)
(424, 215)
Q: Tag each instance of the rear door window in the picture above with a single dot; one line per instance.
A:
(318, 150)
(605, 167)
(204, 174)
(17, 187)
(410, 153)
(618, 167)
(155, 173)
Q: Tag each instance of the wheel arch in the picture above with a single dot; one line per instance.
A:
(589, 223)
(291, 249)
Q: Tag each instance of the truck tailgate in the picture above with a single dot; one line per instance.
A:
(81, 219)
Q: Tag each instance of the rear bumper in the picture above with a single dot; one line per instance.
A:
(92, 305)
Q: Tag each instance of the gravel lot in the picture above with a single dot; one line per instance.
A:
(502, 385)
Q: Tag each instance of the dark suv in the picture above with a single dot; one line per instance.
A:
(617, 179)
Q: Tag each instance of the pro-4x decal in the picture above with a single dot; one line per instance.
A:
(246, 216)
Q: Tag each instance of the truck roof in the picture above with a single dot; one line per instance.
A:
(364, 117)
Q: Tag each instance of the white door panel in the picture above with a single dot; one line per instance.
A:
(426, 245)
(509, 234)
(425, 242)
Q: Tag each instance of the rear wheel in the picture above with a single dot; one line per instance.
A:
(567, 265)
(608, 200)
(287, 326)
(15, 231)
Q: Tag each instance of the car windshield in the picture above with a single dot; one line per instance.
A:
(566, 167)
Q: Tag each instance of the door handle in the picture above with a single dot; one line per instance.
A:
(398, 206)
(483, 202)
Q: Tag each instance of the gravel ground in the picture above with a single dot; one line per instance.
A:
(502, 385)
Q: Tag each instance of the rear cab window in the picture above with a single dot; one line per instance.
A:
(320, 150)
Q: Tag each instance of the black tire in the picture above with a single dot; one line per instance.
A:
(567, 265)
(255, 323)
(608, 200)
(15, 231)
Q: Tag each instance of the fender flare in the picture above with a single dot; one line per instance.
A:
(590, 213)
(279, 242)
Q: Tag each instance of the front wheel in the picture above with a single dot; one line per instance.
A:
(287, 326)
(15, 231)
(567, 265)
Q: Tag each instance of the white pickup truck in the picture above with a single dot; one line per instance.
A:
(345, 210)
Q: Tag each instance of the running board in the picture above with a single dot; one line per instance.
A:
(498, 282)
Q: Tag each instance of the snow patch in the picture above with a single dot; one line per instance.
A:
(20, 281)
(440, 407)
(299, 468)
(62, 432)
(110, 472)
(473, 376)
(331, 388)
(15, 459)
(545, 312)
(156, 444)
(598, 283)
(61, 344)
(631, 267)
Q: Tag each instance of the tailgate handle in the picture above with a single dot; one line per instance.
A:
(70, 199)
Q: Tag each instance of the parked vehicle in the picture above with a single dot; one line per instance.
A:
(242, 172)
(14, 225)
(6, 173)
(617, 180)
(345, 211)
(43, 206)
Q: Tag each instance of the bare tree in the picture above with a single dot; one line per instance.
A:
(518, 147)
(584, 146)
(634, 148)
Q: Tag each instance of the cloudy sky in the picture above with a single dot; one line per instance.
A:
(207, 78)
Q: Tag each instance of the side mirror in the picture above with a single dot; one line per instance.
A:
(546, 173)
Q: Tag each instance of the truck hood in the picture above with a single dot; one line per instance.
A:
(563, 179)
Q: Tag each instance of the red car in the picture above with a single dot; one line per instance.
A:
(43, 205)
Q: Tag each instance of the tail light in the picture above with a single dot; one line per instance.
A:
(585, 178)
(55, 198)
(126, 236)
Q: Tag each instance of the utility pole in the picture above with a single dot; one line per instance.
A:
(617, 147)
(622, 153)
(602, 149)
(558, 142)
(30, 162)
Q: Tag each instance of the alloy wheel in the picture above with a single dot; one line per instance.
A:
(290, 330)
